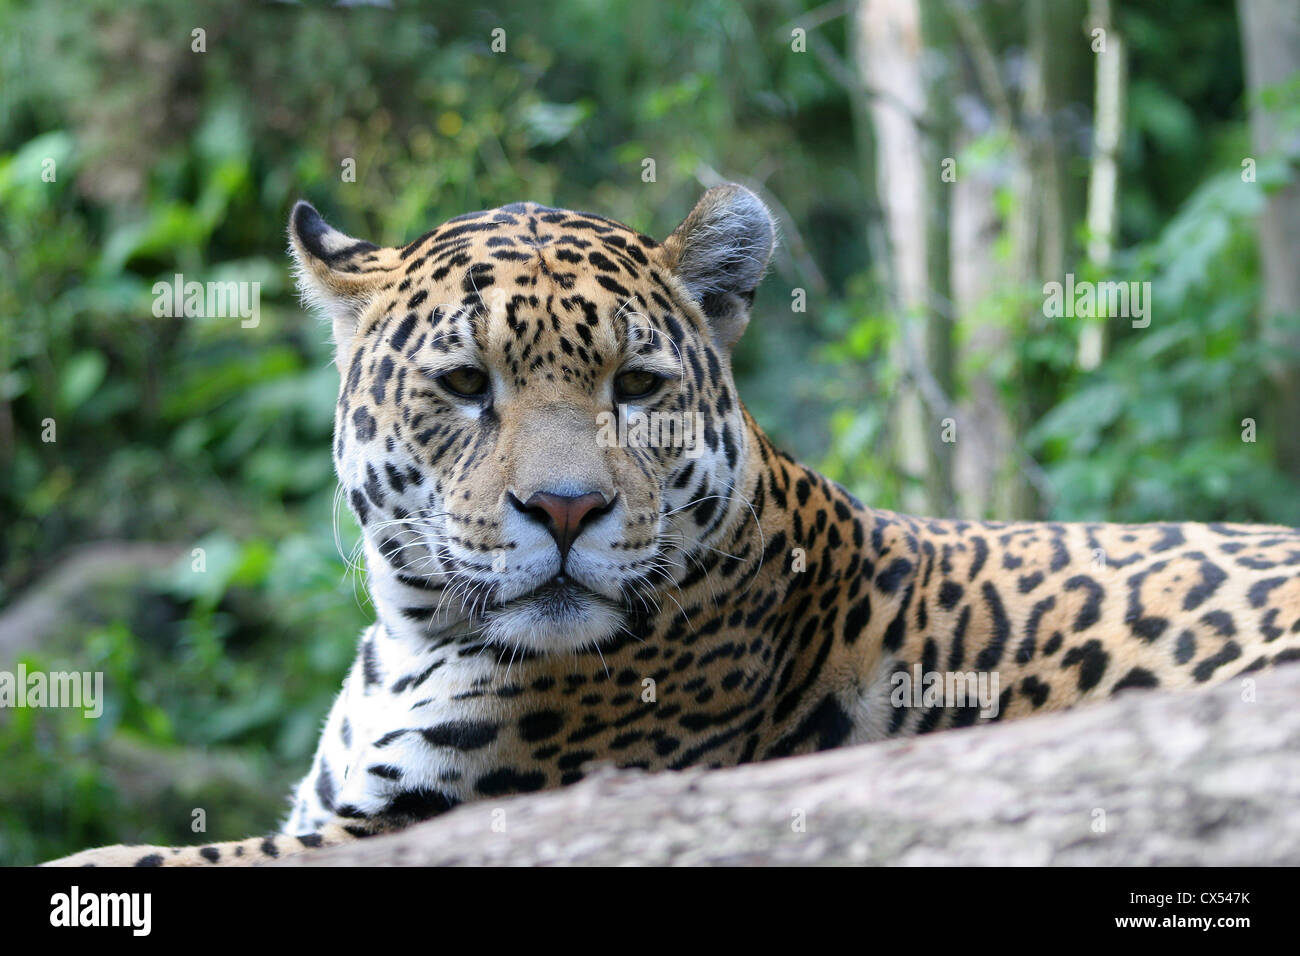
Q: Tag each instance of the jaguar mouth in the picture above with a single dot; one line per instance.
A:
(558, 596)
(559, 614)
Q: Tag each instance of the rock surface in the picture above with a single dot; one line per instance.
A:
(1207, 777)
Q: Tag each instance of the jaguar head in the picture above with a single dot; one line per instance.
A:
(537, 426)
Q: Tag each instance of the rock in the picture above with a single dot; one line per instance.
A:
(1206, 777)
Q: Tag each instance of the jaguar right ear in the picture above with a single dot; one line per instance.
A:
(337, 275)
(720, 252)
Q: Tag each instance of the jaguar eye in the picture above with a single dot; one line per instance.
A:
(466, 381)
(636, 384)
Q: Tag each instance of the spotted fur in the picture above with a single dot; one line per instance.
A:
(723, 604)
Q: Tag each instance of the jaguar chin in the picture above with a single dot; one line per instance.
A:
(561, 615)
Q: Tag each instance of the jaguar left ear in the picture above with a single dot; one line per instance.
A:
(720, 252)
(337, 275)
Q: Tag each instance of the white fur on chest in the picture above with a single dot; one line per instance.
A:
(379, 742)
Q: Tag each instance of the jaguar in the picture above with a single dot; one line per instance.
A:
(552, 593)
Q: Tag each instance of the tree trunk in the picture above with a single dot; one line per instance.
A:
(889, 47)
(1270, 36)
(1103, 174)
(985, 474)
(995, 476)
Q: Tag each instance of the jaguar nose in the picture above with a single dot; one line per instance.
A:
(565, 516)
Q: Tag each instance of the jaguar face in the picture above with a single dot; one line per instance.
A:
(537, 425)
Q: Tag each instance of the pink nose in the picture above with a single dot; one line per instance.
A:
(564, 515)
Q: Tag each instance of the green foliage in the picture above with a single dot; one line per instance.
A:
(1157, 431)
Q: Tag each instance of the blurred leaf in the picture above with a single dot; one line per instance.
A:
(548, 123)
(83, 374)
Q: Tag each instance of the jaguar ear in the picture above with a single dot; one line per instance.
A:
(720, 252)
(337, 275)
